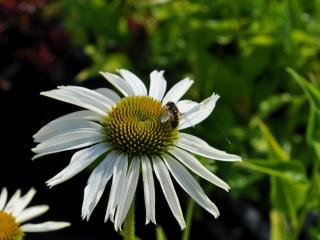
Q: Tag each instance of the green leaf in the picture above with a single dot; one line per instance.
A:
(314, 194)
(288, 197)
(289, 184)
(310, 91)
(160, 233)
(279, 225)
(262, 40)
(316, 147)
(101, 62)
(275, 150)
(289, 171)
(313, 131)
(314, 233)
(273, 103)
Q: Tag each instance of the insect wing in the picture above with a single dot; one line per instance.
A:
(165, 117)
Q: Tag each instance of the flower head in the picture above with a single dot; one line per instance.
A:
(140, 131)
(14, 213)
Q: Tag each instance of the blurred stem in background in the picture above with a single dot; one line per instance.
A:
(189, 216)
(314, 188)
(129, 224)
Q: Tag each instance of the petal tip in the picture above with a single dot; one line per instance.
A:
(43, 93)
(215, 96)
(32, 190)
(64, 225)
(50, 184)
(104, 74)
(34, 149)
(35, 156)
(182, 227)
(67, 224)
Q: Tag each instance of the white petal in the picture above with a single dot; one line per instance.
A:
(13, 201)
(192, 138)
(112, 95)
(32, 212)
(198, 113)
(186, 105)
(123, 86)
(3, 198)
(83, 114)
(117, 187)
(149, 192)
(66, 126)
(177, 91)
(200, 142)
(44, 227)
(190, 185)
(101, 99)
(96, 184)
(194, 165)
(130, 189)
(79, 115)
(206, 150)
(165, 181)
(158, 85)
(68, 141)
(79, 161)
(136, 84)
(24, 201)
(78, 99)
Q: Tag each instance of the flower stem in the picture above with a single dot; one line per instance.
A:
(129, 224)
(304, 212)
(189, 214)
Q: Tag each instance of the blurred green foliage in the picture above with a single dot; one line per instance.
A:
(241, 50)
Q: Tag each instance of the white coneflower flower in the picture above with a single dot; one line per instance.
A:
(14, 213)
(133, 130)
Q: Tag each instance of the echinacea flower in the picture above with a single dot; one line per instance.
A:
(124, 134)
(14, 214)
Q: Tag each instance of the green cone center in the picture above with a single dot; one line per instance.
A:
(134, 127)
(9, 229)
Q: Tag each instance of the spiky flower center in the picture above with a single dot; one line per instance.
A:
(134, 126)
(9, 229)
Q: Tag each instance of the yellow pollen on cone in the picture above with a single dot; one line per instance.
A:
(9, 229)
(134, 127)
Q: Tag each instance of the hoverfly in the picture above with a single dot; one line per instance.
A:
(172, 113)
